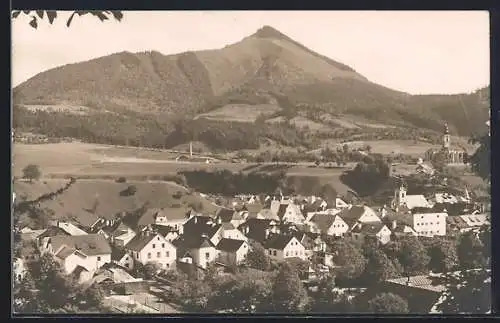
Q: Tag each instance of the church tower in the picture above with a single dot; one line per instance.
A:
(446, 137)
(399, 196)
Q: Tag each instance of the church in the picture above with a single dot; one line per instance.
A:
(455, 154)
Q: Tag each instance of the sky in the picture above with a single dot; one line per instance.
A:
(418, 52)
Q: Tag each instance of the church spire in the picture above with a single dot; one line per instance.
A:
(446, 136)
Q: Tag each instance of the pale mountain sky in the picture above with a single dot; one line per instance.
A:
(416, 52)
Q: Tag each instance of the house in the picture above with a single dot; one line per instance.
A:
(341, 204)
(470, 222)
(234, 217)
(71, 229)
(401, 199)
(89, 252)
(197, 226)
(259, 229)
(332, 225)
(173, 217)
(149, 247)
(231, 251)
(374, 229)
(282, 246)
(311, 242)
(290, 212)
(402, 227)
(85, 220)
(423, 168)
(198, 250)
(360, 213)
(430, 224)
(122, 257)
(230, 232)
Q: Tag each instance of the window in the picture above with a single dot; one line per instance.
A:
(163, 245)
(167, 265)
(154, 245)
(149, 255)
(437, 222)
(270, 252)
(274, 253)
(286, 254)
(158, 254)
(98, 258)
(296, 253)
(207, 255)
(157, 239)
(167, 254)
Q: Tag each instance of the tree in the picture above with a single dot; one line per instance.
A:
(328, 300)
(52, 15)
(413, 256)
(470, 251)
(443, 255)
(481, 159)
(468, 292)
(257, 257)
(32, 172)
(379, 268)
(46, 289)
(439, 161)
(193, 294)
(288, 293)
(350, 260)
(388, 303)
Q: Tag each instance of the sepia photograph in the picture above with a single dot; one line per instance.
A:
(250, 162)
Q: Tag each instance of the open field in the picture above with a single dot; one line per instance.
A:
(84, 194)
(240, 112)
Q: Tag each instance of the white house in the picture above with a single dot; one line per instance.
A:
(280, 247)
(230, 232)
(430, 224)
(19, 270)
(290, 212)
(89, 252)
(122, 257)
(341, 204)
(198, 249)
(362, 214)
(172, 217)
(150, 247)
(332, 225)
(232, 252)
(376, 229)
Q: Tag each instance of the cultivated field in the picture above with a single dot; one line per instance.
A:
(240, 112)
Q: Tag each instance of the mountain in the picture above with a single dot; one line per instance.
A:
(266, 70)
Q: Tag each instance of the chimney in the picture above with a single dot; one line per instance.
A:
(267, 233)
(408, 283)
(219, 220)
(394, 224)
(195, 220)
(191, 149)
(247, 229)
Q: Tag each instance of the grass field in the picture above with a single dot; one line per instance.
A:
(240, 112)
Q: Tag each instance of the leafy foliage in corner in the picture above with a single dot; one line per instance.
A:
(388, 303)
(51, 15)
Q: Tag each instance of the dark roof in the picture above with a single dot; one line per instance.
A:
(199, 225)
(186, 242)
(253, 207)
(163, 229)
(230, 245)
(228, 226)
(305, 240)
(323, 221)
(352, 215)
(117, 253)
(140, 241)
(53, 231)
(456, 222)
(277, 241)
(256, 229)
(84, 218)
(368, 228)
(226, 215)
(89, 244)
(282, 210)
(64, 252)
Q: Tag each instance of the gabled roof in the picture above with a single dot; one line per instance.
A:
(90, 244)
(228, 226)
(187, 242)
(83, 217)
(140, 241)
(413, 201)
(323, 221)
(199, 225)
(277, 241)
(53, 231)
(230, 245)
(172, 213)
(352, 215)
(281, 210)
(64, 252)
(368, 228)
(306, 240)
(117, 253)
(226, 215)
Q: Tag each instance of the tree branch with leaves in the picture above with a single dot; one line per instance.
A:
(51, 15)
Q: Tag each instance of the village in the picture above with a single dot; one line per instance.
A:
(132, 257)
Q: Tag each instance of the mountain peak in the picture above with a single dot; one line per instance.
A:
(269, 32)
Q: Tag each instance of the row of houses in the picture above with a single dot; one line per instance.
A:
(285, 227)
